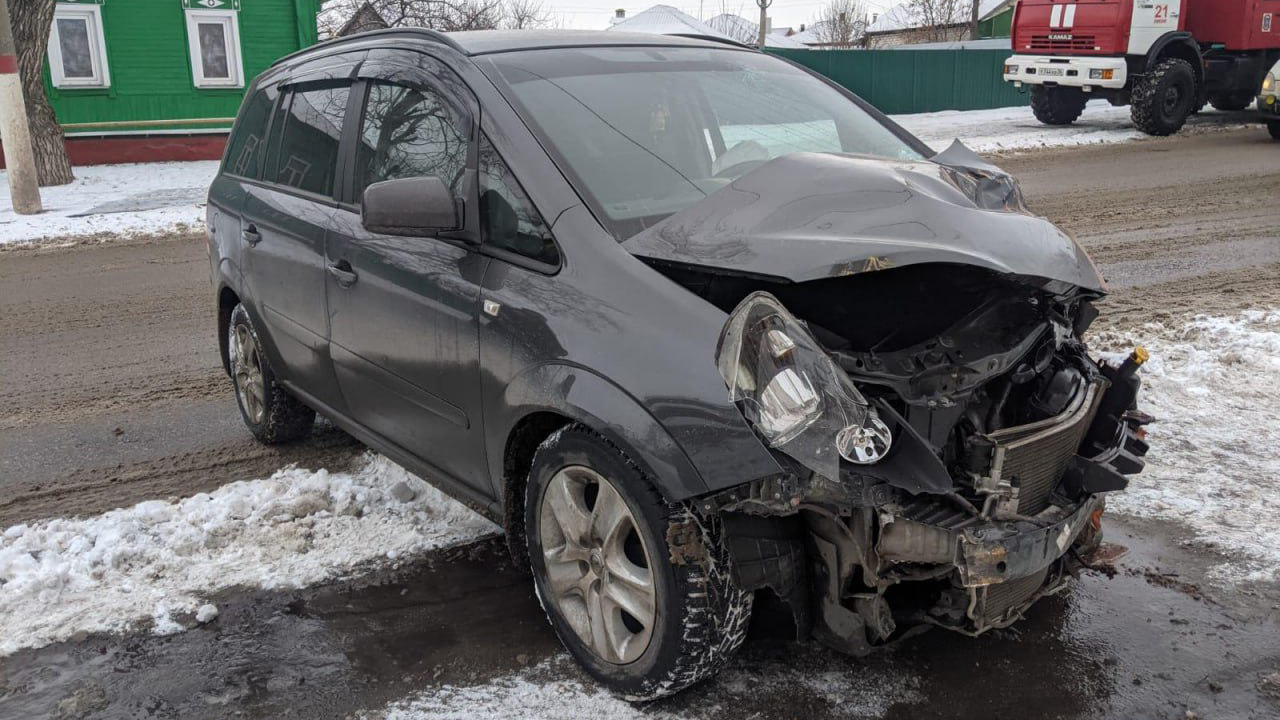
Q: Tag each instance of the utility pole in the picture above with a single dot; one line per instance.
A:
(24, 182)
(764, 20)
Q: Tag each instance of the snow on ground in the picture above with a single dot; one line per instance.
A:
(160, 560)
(1214, 464)
(174, 192)
(1015, 128)
(557, 690)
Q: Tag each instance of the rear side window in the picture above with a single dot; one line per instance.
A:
(310, 132)
(410, 132)
(248, 141)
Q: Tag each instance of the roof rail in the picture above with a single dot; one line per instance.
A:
(713, 38)
(433, 35)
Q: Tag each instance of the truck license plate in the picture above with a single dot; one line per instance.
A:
(1051, 71)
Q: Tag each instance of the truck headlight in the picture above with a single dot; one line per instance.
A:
(1101, 74)
(1269, 84)
(1010, 69)
(792, 392)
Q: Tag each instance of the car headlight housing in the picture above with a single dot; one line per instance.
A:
(1010, 69)
(792, 392)
(1269, 84)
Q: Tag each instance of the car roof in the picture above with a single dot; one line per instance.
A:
(483, 42)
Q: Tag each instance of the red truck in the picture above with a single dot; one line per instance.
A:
(1164, 58)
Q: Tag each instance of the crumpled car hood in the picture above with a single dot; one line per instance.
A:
(807, 216)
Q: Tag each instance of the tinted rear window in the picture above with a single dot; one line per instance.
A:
(312, 128)
(248, 141)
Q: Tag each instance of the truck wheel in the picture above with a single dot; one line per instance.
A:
(270, 412)
(1057, 105)
(1273, 127)
(636, 588)
(1231, 102)
(1163, 98)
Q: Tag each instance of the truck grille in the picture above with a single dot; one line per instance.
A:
(1033, 457)
(1049, 43)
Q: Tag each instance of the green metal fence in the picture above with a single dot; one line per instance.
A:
(914, 81)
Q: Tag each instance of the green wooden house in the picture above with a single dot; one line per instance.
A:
(135, 80)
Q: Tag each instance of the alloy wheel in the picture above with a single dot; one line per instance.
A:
(598, 567)
(247, 370)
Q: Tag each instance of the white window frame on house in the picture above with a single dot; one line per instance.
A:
(91, 15)
(231, 34)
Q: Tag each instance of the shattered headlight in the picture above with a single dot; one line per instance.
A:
(793, 393)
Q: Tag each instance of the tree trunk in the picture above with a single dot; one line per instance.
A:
(32, 20)
(973, 20)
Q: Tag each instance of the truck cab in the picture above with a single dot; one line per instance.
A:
(1164, 58)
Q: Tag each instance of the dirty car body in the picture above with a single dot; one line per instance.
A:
(850, 363)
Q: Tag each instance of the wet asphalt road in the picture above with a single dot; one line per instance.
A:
(1152, 638)
(113, 395)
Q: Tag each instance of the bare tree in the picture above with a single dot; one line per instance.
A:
(841, 23)
(736, 26)
(444, 15)
(32, 21)
(525, 14)
(939, 20)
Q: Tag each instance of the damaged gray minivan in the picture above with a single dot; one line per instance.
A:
(691, 322)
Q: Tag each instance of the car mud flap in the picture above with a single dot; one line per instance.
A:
(769, 552)
(836, 626)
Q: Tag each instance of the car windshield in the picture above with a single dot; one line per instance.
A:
(645, 132)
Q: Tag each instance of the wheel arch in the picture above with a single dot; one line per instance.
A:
(227, 301)
(544, 399)
(1179, 45)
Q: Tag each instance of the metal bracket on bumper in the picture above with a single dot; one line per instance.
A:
(988, 559)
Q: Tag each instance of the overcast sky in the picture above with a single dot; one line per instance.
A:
(595, 14)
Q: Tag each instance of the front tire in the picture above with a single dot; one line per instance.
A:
(1163, 98)
(269, 411)
(1057, 105)
(636, 588)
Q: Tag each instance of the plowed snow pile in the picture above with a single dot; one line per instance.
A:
(158, 560)
(1214, 384)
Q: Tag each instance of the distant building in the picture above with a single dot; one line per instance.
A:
(663, 20)
(146, 80)
(745, 31)
(903, 25)
(365, 18)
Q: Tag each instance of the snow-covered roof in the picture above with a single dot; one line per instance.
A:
(666, 20)
(745, 31)
(904, 17)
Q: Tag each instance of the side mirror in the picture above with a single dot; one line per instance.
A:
(410, 206)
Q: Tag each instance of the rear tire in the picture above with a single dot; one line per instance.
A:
(269, 411)
(1273, 127)
(1164, 97)
(638, 589)
(1231, 102)
(1057, 105)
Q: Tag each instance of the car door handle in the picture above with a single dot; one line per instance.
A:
(251, 235)
(343, 273)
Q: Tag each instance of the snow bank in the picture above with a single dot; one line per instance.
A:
(557, 690)
(1214, 466)
(177, 188)
(157, 560)
(1016, 128)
